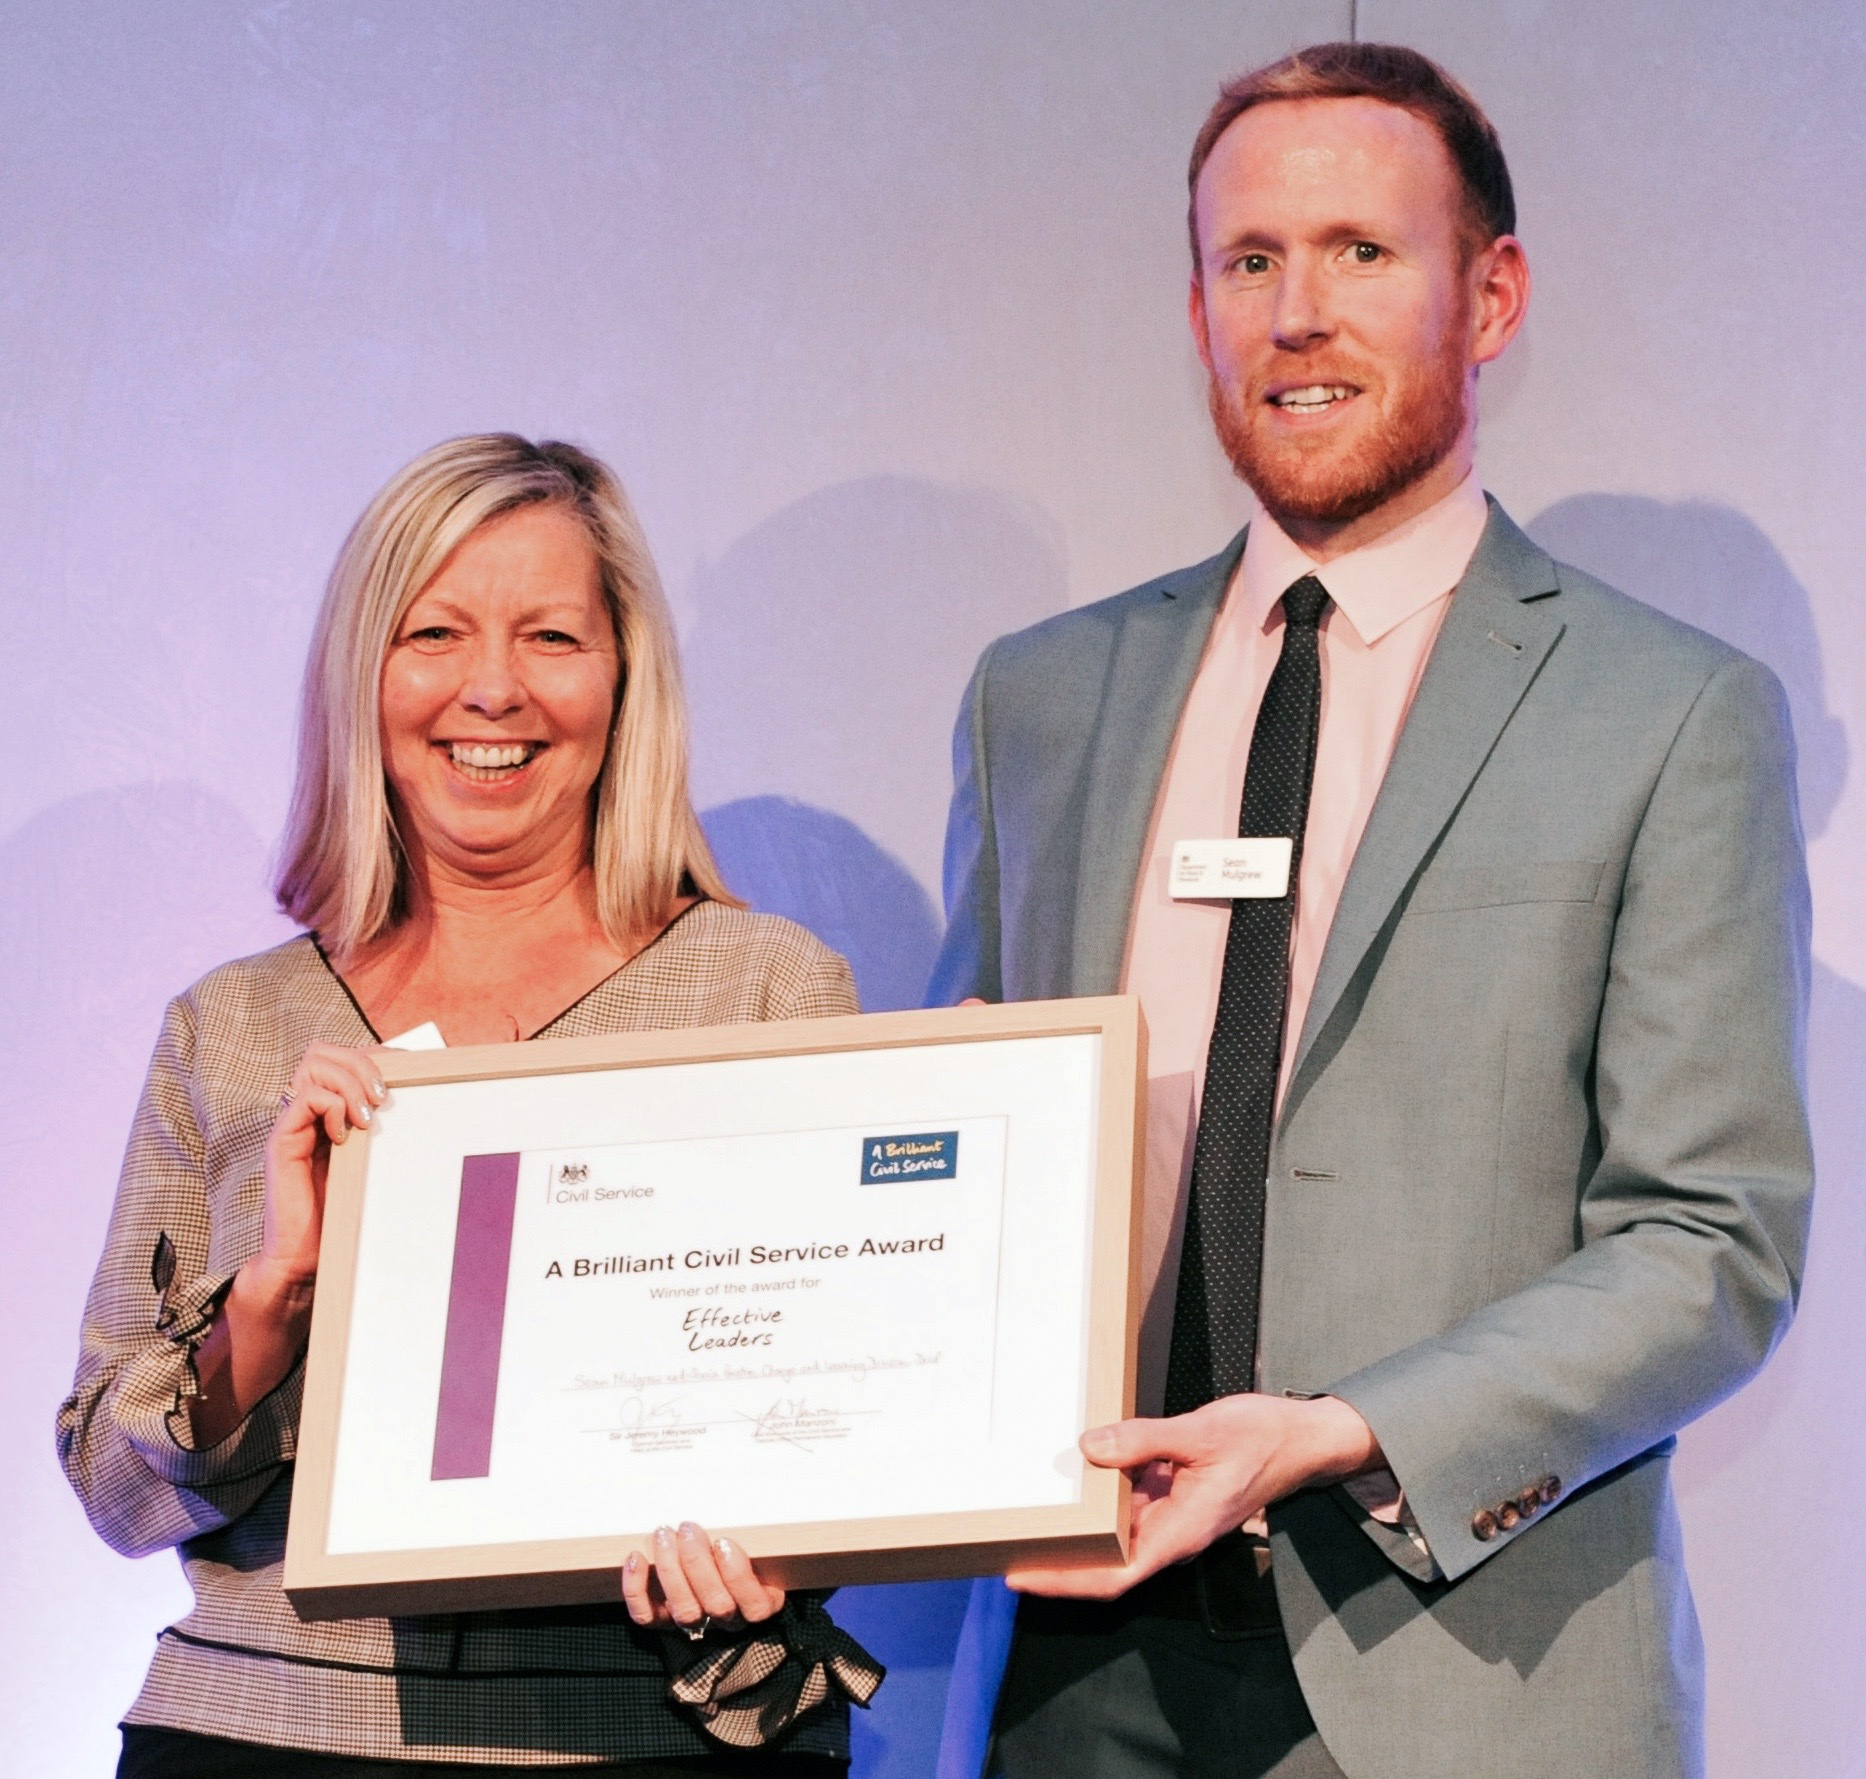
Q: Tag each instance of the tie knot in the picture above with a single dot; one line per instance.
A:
(1304, 603)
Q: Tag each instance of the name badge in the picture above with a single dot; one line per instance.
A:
(1212, 870)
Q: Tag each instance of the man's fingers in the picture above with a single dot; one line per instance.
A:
(1126, 1445)
(1108, 1582)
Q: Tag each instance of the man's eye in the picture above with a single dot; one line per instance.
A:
(1256, 264)
(1365, 253)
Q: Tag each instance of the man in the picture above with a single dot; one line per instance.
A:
(1477, 1156)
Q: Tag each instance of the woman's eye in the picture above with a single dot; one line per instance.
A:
(556, 638)
(432, 633)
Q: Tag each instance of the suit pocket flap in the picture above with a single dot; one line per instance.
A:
(1496, 886)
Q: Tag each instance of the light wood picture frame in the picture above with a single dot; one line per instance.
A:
(332, 1573)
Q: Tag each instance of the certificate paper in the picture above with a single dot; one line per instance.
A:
(722, 1293)
(787, 1290)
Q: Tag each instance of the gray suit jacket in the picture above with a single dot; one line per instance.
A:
(1540, 1187)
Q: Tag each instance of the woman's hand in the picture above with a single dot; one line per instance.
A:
(334, 1090)
(264, 1323)
(692, 1579)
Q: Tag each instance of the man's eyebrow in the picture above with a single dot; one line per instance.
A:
(1248, 240)
(1344, 232)
(1335, 234)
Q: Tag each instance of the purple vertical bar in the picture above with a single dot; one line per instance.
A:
(475, 1317)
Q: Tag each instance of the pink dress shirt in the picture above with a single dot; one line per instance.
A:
(1389, 601)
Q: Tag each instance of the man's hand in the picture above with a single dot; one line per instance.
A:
(1199, 1476)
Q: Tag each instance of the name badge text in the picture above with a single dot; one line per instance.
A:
(1214, 870)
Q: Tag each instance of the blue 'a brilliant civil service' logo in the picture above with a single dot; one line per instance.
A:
(933, 1155)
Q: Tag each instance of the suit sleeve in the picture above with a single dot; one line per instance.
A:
(1693, 1223)
(969, 961)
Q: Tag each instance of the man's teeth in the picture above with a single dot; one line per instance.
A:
(1314, 398)
(479, 755)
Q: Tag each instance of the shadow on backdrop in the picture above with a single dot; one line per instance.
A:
(832, 642)
(1781, 1438)
(1713, 568)
(822, 871)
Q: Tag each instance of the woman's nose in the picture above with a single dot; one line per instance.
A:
(493, 685)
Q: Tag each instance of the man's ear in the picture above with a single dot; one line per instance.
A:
(1500, 297)
(1195, 314)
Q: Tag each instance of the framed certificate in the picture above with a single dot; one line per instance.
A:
(848, 1289)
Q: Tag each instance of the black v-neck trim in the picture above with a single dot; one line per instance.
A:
(595, 988)
(349, 994)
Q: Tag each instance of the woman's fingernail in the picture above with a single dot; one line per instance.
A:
(664, 1534)
(724, 1547)
(633, 1564)
(362, 1114)
(688, 1529)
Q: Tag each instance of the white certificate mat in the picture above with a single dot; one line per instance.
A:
(850, 1282)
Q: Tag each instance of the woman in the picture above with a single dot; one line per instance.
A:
(491, 832)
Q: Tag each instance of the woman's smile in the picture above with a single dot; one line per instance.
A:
(490, 762)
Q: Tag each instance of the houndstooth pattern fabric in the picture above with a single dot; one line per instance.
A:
(521, 1688)
(748, 1693)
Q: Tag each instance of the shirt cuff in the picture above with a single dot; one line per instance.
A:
(1377, 1493)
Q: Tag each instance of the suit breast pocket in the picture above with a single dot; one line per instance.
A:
(1506, 883)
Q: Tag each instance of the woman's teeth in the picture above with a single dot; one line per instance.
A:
(480, 760)
(1314, 398)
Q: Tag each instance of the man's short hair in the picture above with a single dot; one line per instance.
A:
(1395, 76)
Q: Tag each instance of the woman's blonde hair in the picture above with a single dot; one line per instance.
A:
(343, 869)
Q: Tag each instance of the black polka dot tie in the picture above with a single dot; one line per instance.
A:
(1214, 1350)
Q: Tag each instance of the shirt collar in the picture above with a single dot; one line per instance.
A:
(1381, 585)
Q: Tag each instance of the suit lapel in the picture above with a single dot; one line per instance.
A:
(1493, 644)
(1156, 656)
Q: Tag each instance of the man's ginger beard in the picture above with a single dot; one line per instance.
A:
(1334, 486)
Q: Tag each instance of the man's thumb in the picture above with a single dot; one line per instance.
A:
(1122, 1445)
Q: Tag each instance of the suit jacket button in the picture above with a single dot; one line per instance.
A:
(1483, 1525)
(1507, 1516)
(1529, 1502)
(1550, 1490)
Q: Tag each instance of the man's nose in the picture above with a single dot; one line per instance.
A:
(1301, 314)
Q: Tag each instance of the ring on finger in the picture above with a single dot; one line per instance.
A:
(694, 1632)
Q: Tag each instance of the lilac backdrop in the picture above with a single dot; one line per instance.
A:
(877, 309)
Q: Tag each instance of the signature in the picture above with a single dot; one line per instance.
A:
(653, 1426)
(637, 1415)
(795, 1420)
